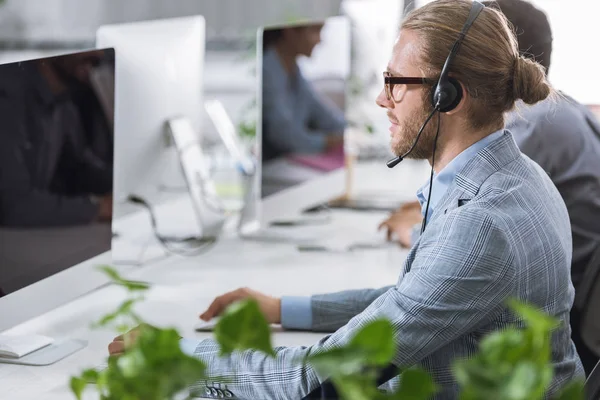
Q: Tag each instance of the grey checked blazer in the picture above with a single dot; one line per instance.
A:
(501, 230)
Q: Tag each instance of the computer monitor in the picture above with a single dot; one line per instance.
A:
(158, 115)
(158, 78)
(56, 178)
(303, 70)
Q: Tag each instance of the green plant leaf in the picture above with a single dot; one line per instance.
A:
(511, 364)
(90, 375)
(474, 376)
(372, 346)
(572, 391)
(527, 381)
(357, 387)
(124, 310)
(376, 340)
(534, 318)
(244, 327)
(152, 368)
(131, 286)
(341, 361)
(78, 385)
(416, 384)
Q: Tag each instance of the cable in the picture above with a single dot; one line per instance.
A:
(431, 175)
(398, 159)
(203, 244)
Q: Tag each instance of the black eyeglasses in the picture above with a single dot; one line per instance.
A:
(390, 82)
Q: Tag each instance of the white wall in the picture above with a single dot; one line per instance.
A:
(575, 55)
(77, 20)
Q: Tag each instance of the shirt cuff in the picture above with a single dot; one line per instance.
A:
(296, 313)
(188, 346)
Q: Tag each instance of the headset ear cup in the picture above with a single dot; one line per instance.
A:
(455, 95)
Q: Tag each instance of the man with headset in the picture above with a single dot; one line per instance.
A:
(445, 106)
(563, 137)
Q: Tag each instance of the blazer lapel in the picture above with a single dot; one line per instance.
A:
(468, 181)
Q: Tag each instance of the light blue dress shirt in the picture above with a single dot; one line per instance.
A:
(443, 180)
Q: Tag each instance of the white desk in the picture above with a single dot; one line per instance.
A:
(183, 287)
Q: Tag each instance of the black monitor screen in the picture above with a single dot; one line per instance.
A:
(56, 164)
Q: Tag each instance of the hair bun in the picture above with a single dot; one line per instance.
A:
(529, 81)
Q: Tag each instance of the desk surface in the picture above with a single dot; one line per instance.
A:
(183, 287)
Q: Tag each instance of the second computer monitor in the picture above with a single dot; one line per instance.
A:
(159, 71)
(304, 72)
(301, 95)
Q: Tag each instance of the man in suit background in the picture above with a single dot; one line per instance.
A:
(563, 137)
(471, 257)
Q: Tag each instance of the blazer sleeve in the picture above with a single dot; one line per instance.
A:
(459, 279)
(332, 311)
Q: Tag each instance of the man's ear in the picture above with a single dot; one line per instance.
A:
(463, 100)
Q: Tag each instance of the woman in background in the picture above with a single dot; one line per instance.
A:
(295, 119)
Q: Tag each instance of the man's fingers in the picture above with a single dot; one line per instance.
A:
(116, 347)
(388, 226)
(383, 224)
(220, 303)
(212, 310)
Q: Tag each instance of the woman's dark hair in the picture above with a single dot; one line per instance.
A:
(271, 36)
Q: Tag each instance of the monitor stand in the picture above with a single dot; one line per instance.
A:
(206, 204)
(36, 350)
(209, 210)
(278, 231)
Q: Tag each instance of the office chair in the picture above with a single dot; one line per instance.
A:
(592, 384)
(587, 299)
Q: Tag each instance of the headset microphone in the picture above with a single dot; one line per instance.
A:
(397, 160)
(394, 161)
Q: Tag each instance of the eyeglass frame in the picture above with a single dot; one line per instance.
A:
(389, 81)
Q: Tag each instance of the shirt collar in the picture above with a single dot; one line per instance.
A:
(443, 179)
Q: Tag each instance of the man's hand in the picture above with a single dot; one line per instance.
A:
(117, 347)
(401, 222)
(270, 306)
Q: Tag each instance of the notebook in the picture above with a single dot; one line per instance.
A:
(326, 162)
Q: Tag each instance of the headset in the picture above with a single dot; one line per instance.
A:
(445, 97)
